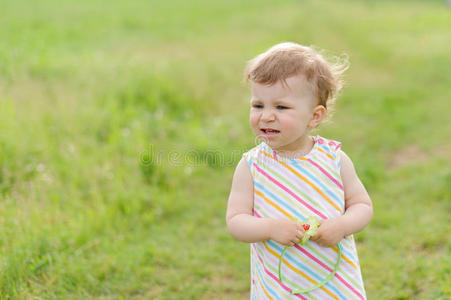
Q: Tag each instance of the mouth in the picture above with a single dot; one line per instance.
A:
(269, 131)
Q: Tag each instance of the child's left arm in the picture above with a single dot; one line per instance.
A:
(358, 208)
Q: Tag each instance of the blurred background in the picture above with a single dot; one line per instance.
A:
(121, 124)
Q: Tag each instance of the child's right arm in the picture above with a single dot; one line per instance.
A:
(241, 222)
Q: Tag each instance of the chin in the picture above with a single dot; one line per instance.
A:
(273, 144)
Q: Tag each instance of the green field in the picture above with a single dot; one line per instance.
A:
(121, 124)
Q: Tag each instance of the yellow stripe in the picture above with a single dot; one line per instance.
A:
(311, 265)
(306, 180)
(272, 203)
(326, 153)
(290, 217)
(262, 269)
(263, 288)
(335, 248)
(280, 209)
(298, 271)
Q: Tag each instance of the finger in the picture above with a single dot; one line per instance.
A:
(319, 231)
(299, 234)
(320, 242)
(297, 239)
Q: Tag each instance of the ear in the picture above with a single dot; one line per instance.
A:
(319, 112)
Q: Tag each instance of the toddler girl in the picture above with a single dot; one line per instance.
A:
(292, 175)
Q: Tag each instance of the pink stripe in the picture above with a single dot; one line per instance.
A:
(274, 277)
(290, 192)
(327, 174)
(317, 261)
(304, 183)
(328, 269)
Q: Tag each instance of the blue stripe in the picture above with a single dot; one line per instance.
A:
(304, 267)
(289, 205)
(280, 202)
(275, 175)
(269, 289)
(327, 150)
(338, 202)
(247, 157)
(315, 179)
(290, 210)
(347, 253)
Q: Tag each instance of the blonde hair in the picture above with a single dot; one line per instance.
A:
(290, 59)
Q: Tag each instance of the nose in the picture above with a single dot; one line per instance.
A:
(268, 115)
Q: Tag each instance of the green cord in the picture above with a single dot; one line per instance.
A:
(314, 223)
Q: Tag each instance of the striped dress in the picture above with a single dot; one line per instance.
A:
(286, 188)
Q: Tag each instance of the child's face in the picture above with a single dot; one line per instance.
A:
(287, 110)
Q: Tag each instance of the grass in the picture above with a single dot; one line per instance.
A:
(115, 118)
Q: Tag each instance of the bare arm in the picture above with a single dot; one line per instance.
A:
(241, 223)
(358, 205)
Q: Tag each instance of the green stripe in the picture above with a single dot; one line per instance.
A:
(275, 271)
(319, 254)
(293, 187)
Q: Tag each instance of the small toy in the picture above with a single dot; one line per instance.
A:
(310, 226)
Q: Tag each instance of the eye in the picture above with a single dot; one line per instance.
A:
(257, 106)
(280, 107)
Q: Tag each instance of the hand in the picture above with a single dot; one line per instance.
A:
(330, 232)
(286, 232)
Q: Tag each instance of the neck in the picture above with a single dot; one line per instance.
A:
(300, 147)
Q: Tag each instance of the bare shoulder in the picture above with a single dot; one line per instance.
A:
(354, 189)
(241, 198)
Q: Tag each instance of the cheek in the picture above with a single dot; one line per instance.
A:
(253, 119)
(288, 121)
(293, 121)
